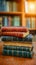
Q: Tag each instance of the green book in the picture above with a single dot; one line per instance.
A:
(18, 53)
(10, 6)
(32, 22)
(16, 21)
(14, 4)
(7, 6)
(20, 48)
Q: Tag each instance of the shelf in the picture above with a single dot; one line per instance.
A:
(30, 15)
(10, 13)
(30, 0)
(32, 28)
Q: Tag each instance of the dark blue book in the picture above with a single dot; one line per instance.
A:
(4, 6)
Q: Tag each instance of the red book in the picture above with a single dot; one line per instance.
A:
(14, 29)
(17, 34)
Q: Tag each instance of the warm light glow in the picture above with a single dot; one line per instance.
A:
(32, 6)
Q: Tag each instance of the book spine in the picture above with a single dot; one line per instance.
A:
(10, 7)
(16, 21)
(6, 6)
(16, 34)
(0, 22)
(18, 53)
(14, 29)
(9, 21)
(14, 38)
(14, 4)
(33, 22)
(5, 21)
(28, 22)
(20, 48)
(1, 6)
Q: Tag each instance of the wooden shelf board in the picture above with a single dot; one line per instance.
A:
(32, 28)
(10, 13)
(30, 15)
(30, 0)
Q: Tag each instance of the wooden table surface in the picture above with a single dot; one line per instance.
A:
(9, 60)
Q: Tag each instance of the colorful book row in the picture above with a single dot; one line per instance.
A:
(8, 6)
(10, 21)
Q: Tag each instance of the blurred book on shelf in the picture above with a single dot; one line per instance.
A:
(7, 6)
(32, 22)
(16, 21)
(28, 22)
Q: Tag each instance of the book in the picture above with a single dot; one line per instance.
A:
(11, 6)
(28, 22)
(20, 48)
(14, 4)
(14, 43)
(0, 22)
(1, 6)
(6, 6)
(18, 53)
(32, 22)
(16, 21)
(5, 21)
(15, 29)
(16, 34)
(28, 38)
(9, 21)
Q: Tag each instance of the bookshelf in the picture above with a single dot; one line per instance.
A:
(31, 13)
(20, 11)
(13, 14)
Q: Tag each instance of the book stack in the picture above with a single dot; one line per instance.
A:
(20, 51)
(17, 36)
